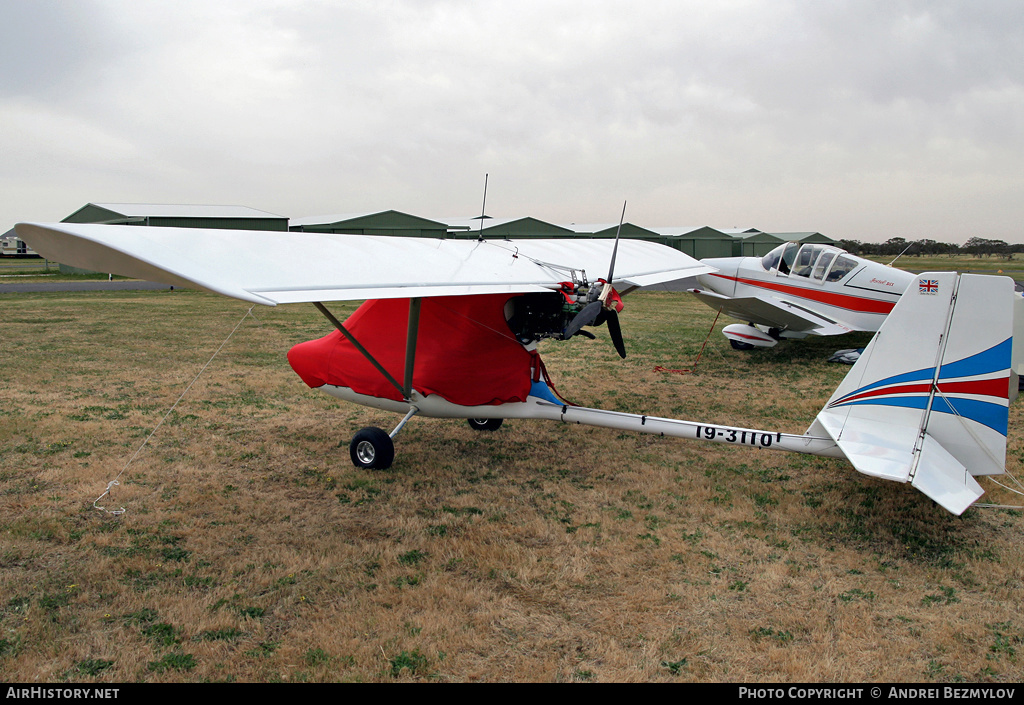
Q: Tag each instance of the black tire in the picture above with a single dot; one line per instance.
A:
(738, 345)
(485, 424)
(372, 448)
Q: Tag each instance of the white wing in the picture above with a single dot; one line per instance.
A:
(290, 267)
(774, 313)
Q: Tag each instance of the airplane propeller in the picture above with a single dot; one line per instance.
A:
(601, 308)
(587, 315)
(616, 333)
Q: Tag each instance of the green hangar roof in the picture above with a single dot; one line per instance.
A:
(813, 238)
(629, 230)
(512, 228)
(388, 222)
(755, 244)
(178, 216)
(698, 242)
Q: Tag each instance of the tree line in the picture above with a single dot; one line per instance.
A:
(894, 246)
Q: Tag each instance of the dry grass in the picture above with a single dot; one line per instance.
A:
(252, 550)
(959, 262)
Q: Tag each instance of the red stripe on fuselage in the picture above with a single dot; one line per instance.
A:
(851, 303)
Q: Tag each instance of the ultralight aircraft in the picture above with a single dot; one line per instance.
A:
(450, 329)
(798, 290)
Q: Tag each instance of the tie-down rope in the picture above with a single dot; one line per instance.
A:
(115, 482)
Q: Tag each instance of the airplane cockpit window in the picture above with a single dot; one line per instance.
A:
(781, 257)
(843, 266)
(771, 260)
(821, 266)
(804, 262)
(788, 256)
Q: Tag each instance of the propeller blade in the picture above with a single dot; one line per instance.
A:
(584, 318)
(615, 248)
(596, 312)
(616, 332)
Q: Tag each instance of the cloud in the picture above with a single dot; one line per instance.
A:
(790, 116)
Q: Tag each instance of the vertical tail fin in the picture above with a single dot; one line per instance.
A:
(928, 400)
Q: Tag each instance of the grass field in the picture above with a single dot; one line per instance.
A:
(252, 549)
(959, 263)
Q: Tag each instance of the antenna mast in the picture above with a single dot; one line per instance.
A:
(483, 211)
(902, 253)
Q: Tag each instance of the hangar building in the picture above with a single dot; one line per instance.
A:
(174, 216)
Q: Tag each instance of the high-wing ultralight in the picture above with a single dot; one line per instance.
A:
(798, 290)
(450, 329)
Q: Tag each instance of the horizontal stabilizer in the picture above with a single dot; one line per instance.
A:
(874, 448)
(880, 450)
(941, 476)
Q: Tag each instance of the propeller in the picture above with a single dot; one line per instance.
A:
(590, 313)
(587, 315)
(616, 333)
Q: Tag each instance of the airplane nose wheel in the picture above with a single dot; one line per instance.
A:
(372, 448)
(485, 424)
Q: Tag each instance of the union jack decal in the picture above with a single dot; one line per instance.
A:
(975, 388)
(929, 286)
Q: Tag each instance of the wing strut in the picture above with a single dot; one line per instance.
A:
(410, 343)
(358, 346)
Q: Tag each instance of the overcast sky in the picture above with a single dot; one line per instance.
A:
(862, 120)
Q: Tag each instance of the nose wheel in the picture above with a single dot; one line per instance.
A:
(372, 448)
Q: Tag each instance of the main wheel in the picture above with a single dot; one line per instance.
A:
(485, 424)
(740, 345)
(372, 448)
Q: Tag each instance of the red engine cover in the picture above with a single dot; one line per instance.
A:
(465, 351)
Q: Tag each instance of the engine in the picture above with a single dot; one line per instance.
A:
(533, 317)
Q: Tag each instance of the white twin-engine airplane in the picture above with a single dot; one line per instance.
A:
(450, 329)
(799, 290)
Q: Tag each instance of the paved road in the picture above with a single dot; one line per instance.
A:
(120, 285)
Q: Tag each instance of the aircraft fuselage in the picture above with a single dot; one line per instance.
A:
(823, 281)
